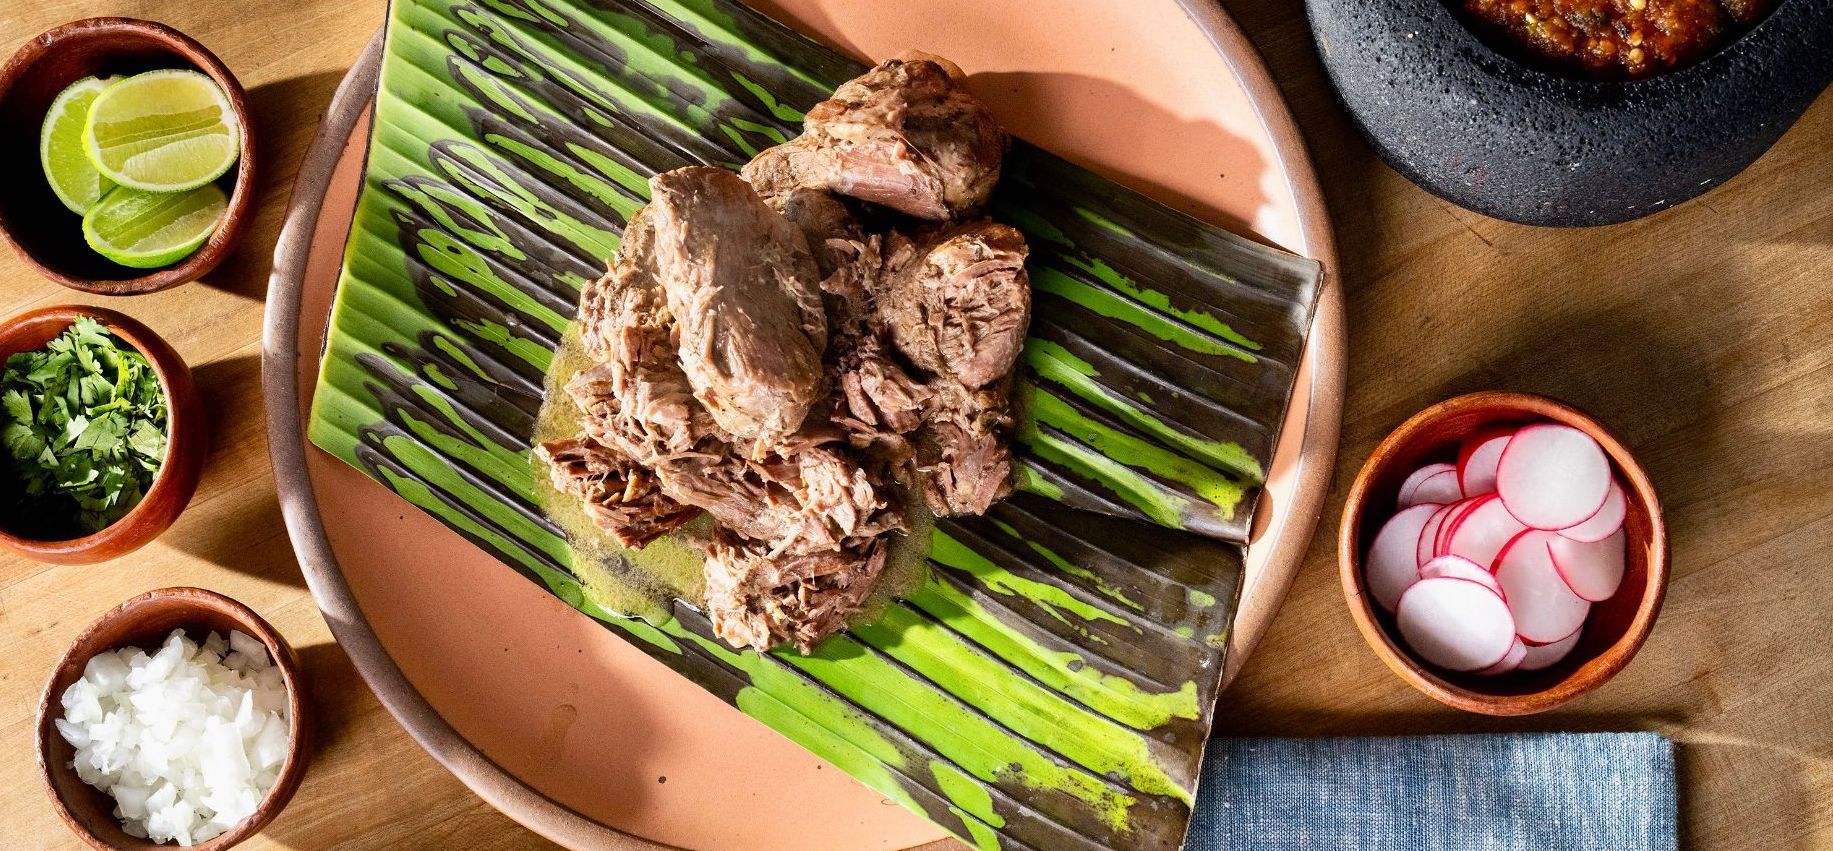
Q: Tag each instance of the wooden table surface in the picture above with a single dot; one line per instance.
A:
(1703, 335)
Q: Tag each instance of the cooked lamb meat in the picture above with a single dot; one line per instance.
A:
(620, 496)
(819, 499)
(636, 400)
(744, 293)
(904, 134)
(759, 600)
(963, 449)
(766, 353)
(958, 305)
(832, 231)
(875, 393)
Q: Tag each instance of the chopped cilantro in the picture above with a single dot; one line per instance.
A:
(83, 425)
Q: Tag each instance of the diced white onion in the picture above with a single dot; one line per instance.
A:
(187, 740)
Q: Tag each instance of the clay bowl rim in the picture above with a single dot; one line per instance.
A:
(193, 55)
(186, 442)
(1462, 693)
(89, 642)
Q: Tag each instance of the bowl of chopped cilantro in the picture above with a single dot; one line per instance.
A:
(101, 434)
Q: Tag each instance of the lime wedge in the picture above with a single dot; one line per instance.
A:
(147, 230)
(60, 147)
(162, 131)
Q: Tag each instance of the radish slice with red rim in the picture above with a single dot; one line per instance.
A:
(1478, 457)
(1552, 476)
(1605, 522)
(1543, 656)
(1428, 534)
(1482, 534)
(1441, 542)
(1454, 624)
(1544, 607)
(1457, 567)
(1440, 487)
(1592, 569)
(1392, 564)
(1409, 489)
(1509, 662)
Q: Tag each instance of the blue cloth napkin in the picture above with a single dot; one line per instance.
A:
(1541, 792)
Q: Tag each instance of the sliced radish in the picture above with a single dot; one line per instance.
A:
(1545, 609)
(1409, 489)
(1458, 567)
(1544, 656)
(1605, 522)
(1481, 534)
(1455, 624)
(1592, 569)
(1552, 476)
(1428, 535)
(1509, 663)
(1392, 560)
(1477, 458)
(1441, 542)
(1440, 487)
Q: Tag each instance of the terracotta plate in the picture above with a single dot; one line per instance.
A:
(568, 729)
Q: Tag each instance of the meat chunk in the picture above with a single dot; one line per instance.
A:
(636, 400)
(744, 293)
(620, 496)
(766, 353)
(964, 452)
(813, 500)
(832, 231)
(759, 600)
(905, 135)
(876, 394)
(958, 304)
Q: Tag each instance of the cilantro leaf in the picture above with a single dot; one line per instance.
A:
(83, 424)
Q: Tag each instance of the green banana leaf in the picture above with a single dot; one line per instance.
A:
(1049, 683)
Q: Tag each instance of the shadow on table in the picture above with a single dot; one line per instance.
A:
(234, 521)
(278, 109)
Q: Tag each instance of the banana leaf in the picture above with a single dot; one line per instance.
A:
(1049, 683)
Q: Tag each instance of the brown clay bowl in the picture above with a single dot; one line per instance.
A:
(40, 229)
(1612, 633)
(144, 621)
(186, 441)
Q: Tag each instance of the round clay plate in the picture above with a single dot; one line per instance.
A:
(554, 719)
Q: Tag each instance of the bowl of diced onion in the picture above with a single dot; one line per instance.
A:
(176, 719)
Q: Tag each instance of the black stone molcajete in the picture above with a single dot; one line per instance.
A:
(1485, 131)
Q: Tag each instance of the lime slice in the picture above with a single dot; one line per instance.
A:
(162, 131)
(147, 230)
(60, 147)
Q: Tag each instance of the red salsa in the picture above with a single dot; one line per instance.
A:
(1619, 38)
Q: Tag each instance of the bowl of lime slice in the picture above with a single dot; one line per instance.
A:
(134, 154)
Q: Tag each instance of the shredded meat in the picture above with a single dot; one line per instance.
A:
(965, 455)
(636, 400)
(756, 599)
(959, 304)
(812, 500)
(905, 135)
(620, 496)
(744, 293)
(833, 233)
(766, 354)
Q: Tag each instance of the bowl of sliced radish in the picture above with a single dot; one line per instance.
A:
(1503, 553)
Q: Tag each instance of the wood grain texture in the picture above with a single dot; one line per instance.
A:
(1703, 336)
